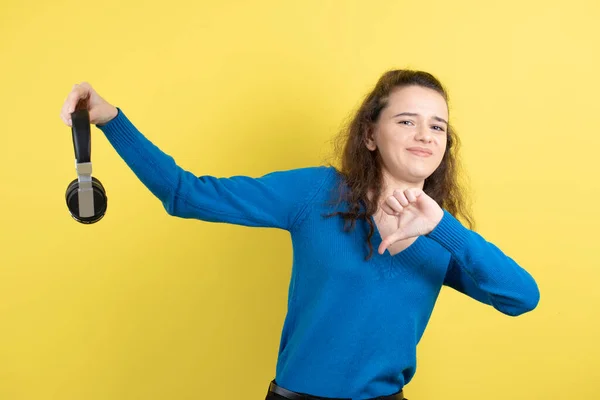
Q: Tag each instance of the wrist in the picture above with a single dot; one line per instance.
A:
(438, 218)
(112, 114)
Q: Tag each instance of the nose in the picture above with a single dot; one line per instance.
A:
(423, 134)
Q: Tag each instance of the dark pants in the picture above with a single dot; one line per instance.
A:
(296, 396)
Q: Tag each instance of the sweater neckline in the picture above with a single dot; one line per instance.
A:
(412, 254)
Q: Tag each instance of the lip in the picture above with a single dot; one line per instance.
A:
(420, 151)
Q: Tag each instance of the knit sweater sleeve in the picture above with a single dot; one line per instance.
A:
(482, 271)
(275, 200)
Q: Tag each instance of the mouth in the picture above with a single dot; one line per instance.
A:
(420, 151)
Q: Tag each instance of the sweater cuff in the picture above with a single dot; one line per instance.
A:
(119, 131)
(450, 233)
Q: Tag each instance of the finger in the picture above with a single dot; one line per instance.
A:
(75, 97)
(68, 101)
(65, 112)
(387, 209)
(401, 197)
(417, 192)
(391, 239)
(65, 105)
(62, 116)
(79, 94)
(411, 196)
(393, 203)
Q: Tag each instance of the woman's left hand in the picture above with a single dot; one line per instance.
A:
(416, 212)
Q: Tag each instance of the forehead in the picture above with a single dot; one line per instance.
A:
(416, 99)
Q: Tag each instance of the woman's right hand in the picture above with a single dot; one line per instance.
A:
(84, 96)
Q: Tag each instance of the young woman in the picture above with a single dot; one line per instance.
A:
(373, 241)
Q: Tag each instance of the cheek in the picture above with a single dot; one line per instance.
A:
(389, 142)
(442, 145)
(440, 154)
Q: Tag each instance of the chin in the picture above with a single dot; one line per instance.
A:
(410, 173)
(412, 177)
(418, 180)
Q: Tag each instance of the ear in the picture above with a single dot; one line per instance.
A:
(370, 139)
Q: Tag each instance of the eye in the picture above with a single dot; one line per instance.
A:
(438, 128)
(405, 122)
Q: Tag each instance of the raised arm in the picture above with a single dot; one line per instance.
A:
(273, 200)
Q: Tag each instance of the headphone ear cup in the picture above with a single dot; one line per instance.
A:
(71, 197)
(100, 201)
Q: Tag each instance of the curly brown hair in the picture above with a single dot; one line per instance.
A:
(361, 168)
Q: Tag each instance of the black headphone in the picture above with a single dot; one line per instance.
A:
(85, 195)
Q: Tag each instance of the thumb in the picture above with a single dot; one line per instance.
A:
(391, 239)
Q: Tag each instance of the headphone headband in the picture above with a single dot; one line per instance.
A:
(80, 128)
(82, 144)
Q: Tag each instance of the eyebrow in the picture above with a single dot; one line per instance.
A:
(416, 115)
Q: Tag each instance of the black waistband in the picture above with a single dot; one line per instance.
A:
(288, 394)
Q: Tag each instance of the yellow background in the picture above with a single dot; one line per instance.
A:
(146, 306)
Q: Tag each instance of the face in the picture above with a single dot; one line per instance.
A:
(411, 133)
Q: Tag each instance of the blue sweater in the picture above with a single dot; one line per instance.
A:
(352, 325)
